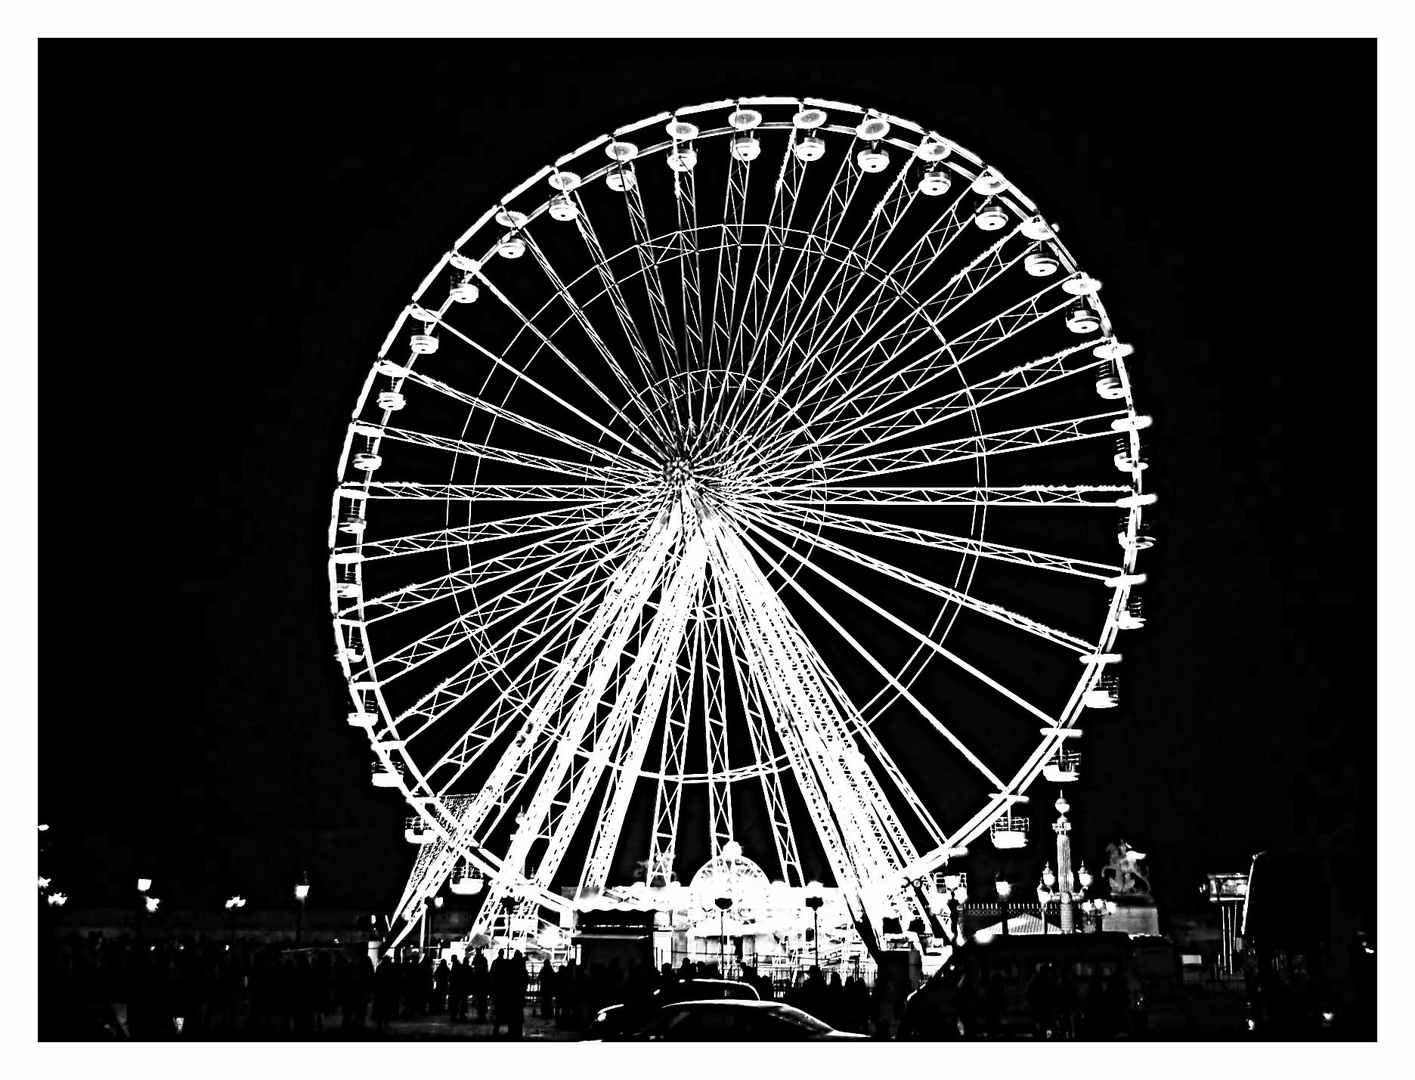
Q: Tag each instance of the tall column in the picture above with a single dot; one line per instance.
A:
(1063, 865)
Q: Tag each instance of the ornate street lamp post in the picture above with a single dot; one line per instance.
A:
(723, 903)
(956, 886)
(1004, 890)
(1063, 864)
(814, 900)
(1084, 877)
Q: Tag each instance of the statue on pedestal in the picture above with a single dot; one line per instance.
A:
(1123, 871)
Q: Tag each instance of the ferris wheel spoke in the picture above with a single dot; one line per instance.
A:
(966, 284)
(941, 541)
(867, 396)
(623, 475)
(962, 287)
(666, 641)
(748, 325)
(849, 466)
(925, 251)
(650, 256)
(963, 599)
(1080, 496)
(668, 789)
(759, 730)
(667, 406)
(502, 413)
(712, 687)
(480, 573)
(871, 742)
(465, 536)
(870, 659)
(857, 266)
(602, 640)
(666, 633)
(536, 637)
(813, 785)
(911, 631)
(580, 494)
(960, 403)
(550, 584)
(798, 284)
(653, 414)
(729, 262)
(582, 320)
(872, 831)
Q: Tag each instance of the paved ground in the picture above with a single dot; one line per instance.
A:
(421, 1029)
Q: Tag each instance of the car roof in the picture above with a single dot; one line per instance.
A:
(1108, 941)
(733, 1003)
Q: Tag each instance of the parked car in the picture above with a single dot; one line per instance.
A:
(628, 1016)
(734, 1021)
(1073, 985)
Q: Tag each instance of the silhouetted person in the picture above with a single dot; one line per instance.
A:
(1040, 995)
(547, 989)
(967, 1001)
(1068, 1000)
(498, 992)
(517, 978)
(441, 987)
(481, 983)
(385, 993)
(566, 990)
(995, 1003)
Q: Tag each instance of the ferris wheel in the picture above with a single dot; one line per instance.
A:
(763, 474)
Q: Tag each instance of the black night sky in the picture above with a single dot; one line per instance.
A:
(228, 229)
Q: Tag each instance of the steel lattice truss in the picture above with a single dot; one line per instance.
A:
(703, 491)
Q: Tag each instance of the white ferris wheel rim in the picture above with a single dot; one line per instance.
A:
(576, 172)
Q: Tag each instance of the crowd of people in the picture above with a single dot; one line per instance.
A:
(92, 987)
(195, 989)
(1059, 1005)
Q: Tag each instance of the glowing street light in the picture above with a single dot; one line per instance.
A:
(302, 892)
(150, 904)
(1004, 890)
(57, 899)
(232, 906)
(144, 883)
(43, 883)
(1044, 894)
